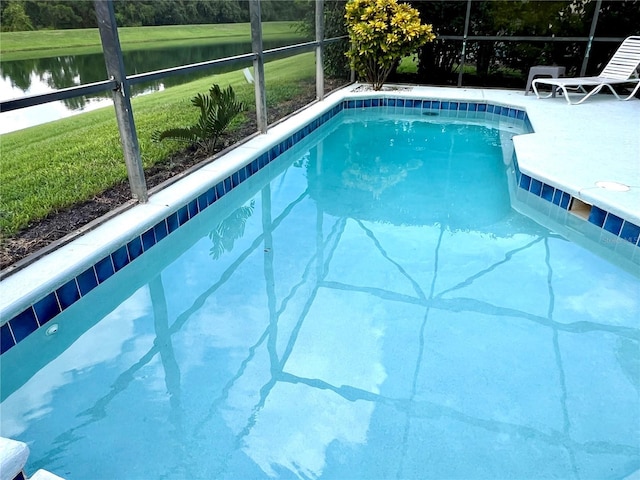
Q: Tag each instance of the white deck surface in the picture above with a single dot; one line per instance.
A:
(573, 147)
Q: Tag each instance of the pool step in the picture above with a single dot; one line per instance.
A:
(13, 457)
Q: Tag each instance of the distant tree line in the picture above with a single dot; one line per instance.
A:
(500, 63)
(439, 61)
(496, 63)
(21, 15)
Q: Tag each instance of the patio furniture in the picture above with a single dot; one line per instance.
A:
(621, 69)
(546, 71)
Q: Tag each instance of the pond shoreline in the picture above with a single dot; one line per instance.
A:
(50, 43)
(54, 69)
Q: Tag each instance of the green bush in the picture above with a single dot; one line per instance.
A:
(382, 32)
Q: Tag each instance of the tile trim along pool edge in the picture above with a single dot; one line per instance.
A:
(32, 297)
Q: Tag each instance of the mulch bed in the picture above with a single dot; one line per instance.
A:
(57, 225)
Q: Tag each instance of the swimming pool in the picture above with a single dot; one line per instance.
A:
(352, 309)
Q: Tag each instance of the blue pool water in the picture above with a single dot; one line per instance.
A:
(370, 305)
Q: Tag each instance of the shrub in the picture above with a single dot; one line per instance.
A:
(217, 109)
(381, 33)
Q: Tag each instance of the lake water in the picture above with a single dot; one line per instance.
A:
(35, 76)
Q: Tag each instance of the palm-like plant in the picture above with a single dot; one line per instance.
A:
(217, 110)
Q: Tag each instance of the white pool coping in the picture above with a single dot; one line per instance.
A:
(573, 147)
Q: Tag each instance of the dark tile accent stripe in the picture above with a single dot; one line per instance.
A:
(46, 308)
(630, 232)
(104, 269)
(547, 192)
(536, 187)
(160, 228)
(87, 280)
(134, 247)
(23, 324)
(172, 221)
(597, 216)
(525, 182)
(120, 258)
(613, 224)
(68, 294)
(450, 105)
(6, 338)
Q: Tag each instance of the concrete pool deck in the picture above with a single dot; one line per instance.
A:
(573, 147)
(576, 146)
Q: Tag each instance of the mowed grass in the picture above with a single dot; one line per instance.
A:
(47, 43)
(52, 166)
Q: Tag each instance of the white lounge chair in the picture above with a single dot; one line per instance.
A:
(621, 69)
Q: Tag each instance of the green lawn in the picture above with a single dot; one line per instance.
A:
(55, 165)
(46, 43)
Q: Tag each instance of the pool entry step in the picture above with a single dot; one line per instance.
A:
(13, 457)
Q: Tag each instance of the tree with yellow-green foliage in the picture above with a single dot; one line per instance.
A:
(381, 33)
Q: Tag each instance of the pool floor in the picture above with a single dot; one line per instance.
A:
(355, 310)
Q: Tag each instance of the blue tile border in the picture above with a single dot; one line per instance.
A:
(630, 232)
(597, 216)
(87, 281)
(46, 308)
(42, 311)
(434, 105)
